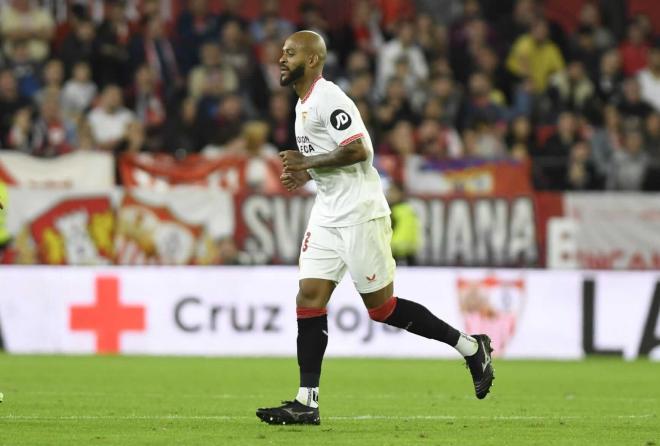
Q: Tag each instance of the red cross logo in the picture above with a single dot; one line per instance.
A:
(107, 317)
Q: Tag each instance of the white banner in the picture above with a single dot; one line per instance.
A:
(249, 311)
(80, 170)
(615, 230)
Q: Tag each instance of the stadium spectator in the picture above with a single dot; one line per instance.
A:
(607, 139)
(403, 47)
(265, 77)
(634, 50)
(590, 18)
(628, 166)
(583, 48)
(280, 121)
(535, 56)
(649, 78)
(483, 103)
(153, 48)
(109, 121)
(52, 79)
(79, 91)
(652, 136)
(78, 45)
(269, 25)
(581, 173)
(610, 77)
(450, 96)
(26, 70)
(148, 102)
(571, 89)
(632, 106)
(438, 142)
(112, 56)
(406, 228)
(260, 175)
(52, 134)
(231, 12)
(195, 26)
(362, 32)
(21, 20)
(213, 77)
(184, 132)
(395, 106)
(236, 50)
(20, 131)
(520, 138)
(11, 101)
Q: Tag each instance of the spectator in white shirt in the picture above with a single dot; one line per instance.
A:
(649, 79)
(79, 91)
(403, 47)
(110, 121)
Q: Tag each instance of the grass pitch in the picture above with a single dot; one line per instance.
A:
(198, 401)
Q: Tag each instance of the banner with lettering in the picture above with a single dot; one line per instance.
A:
(77, 170)
(234, 173)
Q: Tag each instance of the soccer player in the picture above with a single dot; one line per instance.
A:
(349, 229)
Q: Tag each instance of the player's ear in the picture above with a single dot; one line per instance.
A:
(313, 60)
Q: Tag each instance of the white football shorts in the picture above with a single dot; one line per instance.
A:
(364, 250)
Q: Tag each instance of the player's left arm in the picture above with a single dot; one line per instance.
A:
(351, 153)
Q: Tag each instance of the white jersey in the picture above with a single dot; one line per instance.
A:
(326, 119)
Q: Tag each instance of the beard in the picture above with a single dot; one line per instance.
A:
(294, 75)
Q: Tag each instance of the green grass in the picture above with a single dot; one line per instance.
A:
(197, 401)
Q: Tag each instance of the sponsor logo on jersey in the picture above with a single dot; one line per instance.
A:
(340, 120)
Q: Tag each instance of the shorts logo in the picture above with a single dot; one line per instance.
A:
(340, 119)
(372, 278)
(305, 246)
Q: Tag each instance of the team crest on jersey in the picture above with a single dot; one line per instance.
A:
(304, 116)
(340, 120)
(492, 305)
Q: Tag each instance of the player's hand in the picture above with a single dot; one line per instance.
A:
(294, 180)
(293, 161)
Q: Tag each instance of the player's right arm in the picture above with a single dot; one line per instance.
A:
(351, 153)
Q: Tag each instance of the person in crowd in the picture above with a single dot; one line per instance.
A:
(110, 120)
(406, 228)
(610, 77)
(213, 77)
(581, 173)
(571, 89)
(535, 56)
(11, 101)
(23, 21)
(520, 138)
(79, 91)
(402, 47)
(78, 45)
(628, 166)
(154, 48)
(649, 78)
(195, 26)
(52, 133)
(634, 50)
(147, 101)
(607, 139)
(184, 133)
(112, 52)
(270, 25)
(632, 106)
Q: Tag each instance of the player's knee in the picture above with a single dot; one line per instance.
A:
(311, 295)
(382, 312)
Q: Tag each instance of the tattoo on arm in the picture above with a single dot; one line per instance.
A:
(352, 153)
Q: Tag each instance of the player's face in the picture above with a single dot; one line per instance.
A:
(292, 64)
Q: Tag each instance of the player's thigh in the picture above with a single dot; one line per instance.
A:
(369, 255)
(321, 266)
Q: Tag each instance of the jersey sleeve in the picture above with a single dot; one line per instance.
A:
(340, 117)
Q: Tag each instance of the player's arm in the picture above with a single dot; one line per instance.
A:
(351, 153)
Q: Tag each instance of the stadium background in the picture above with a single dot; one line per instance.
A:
(519, 145)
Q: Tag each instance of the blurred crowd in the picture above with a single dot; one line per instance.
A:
(438, 80)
